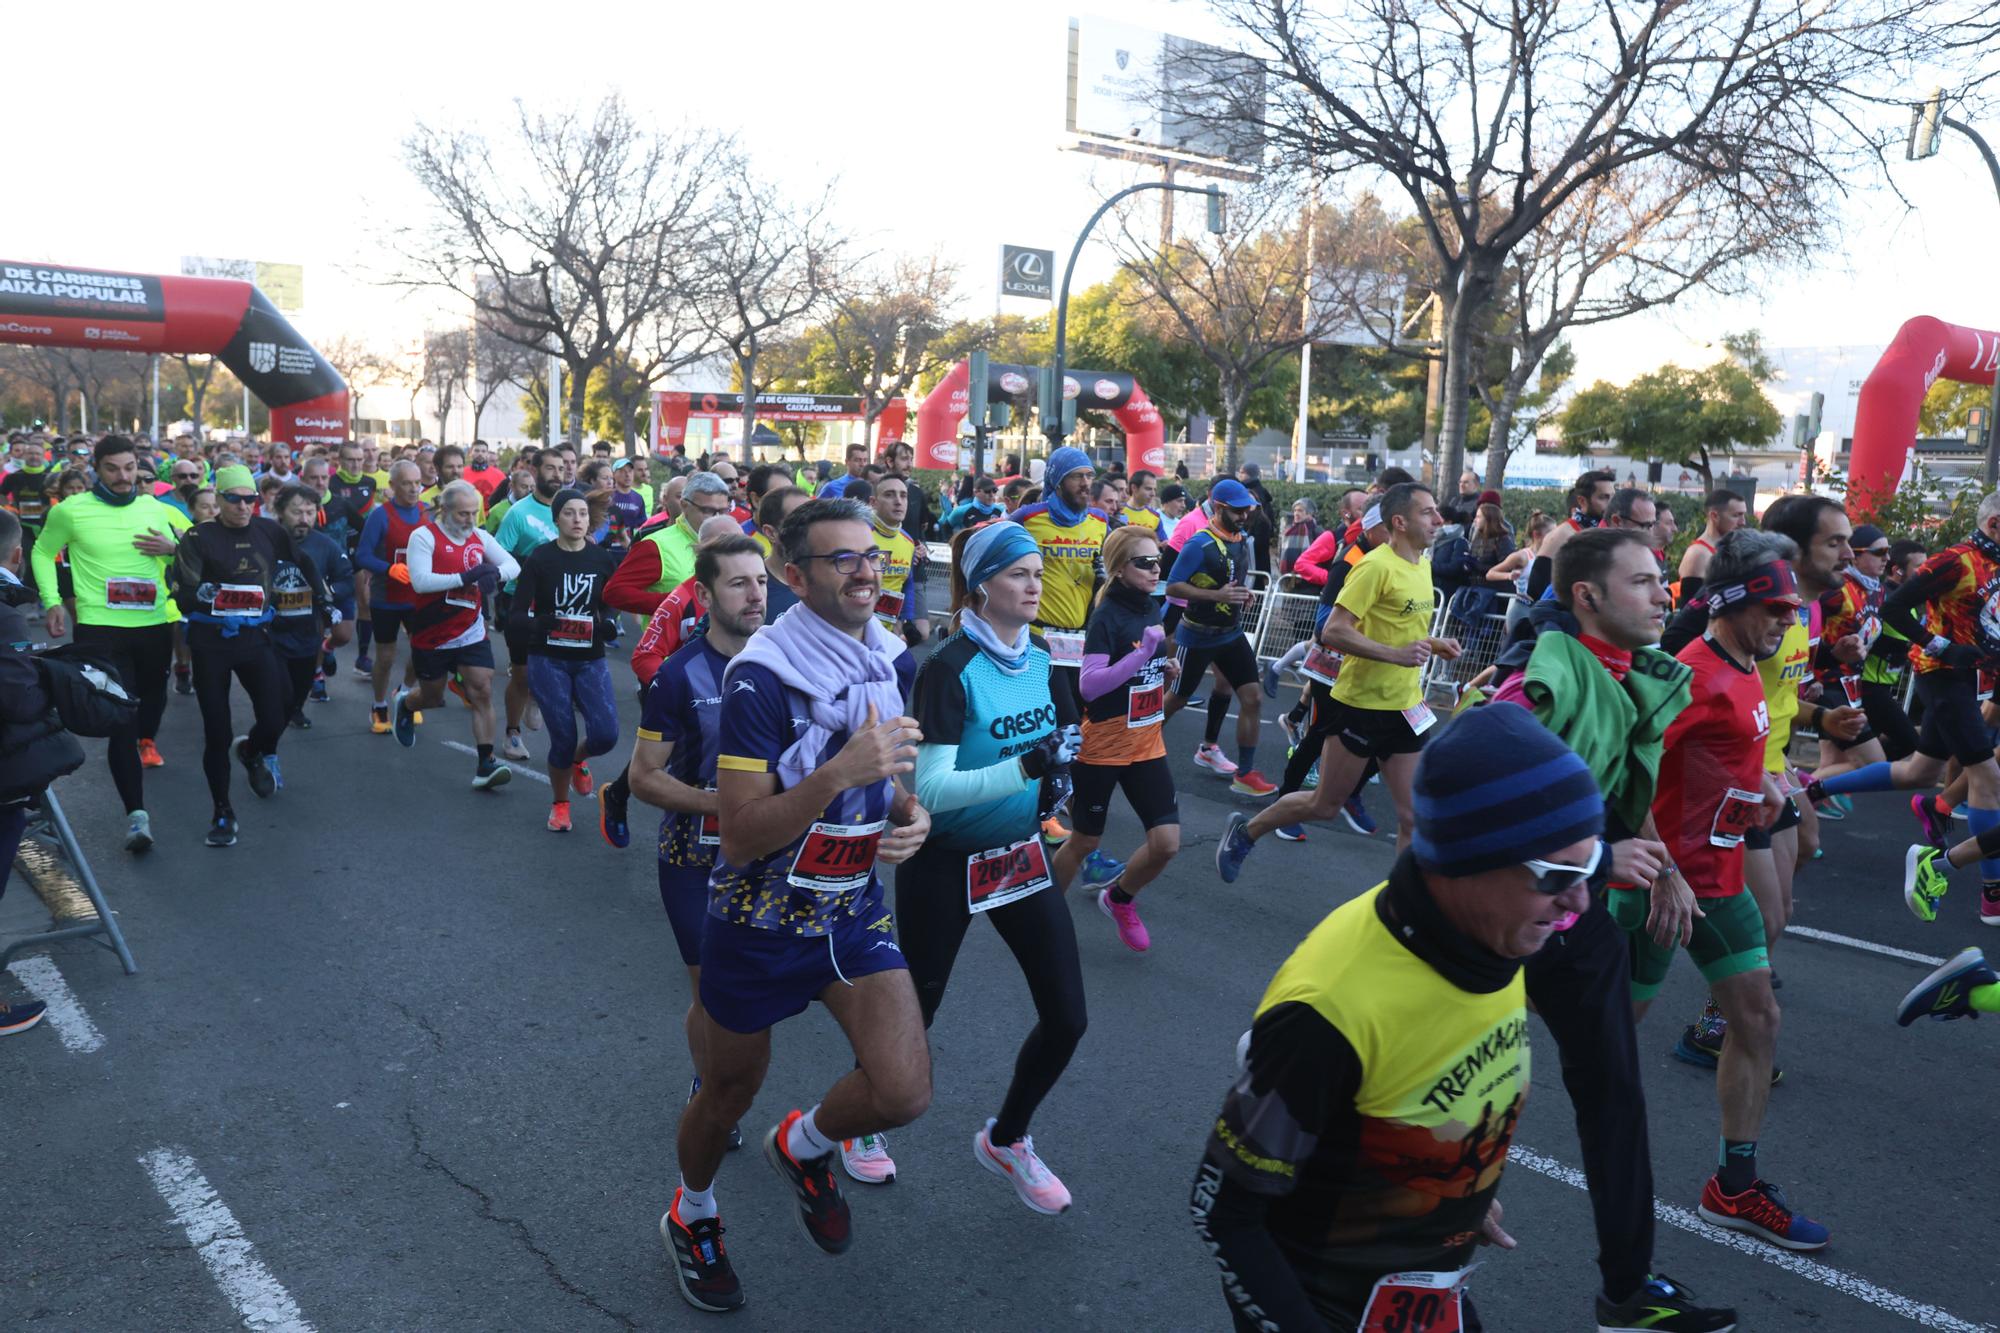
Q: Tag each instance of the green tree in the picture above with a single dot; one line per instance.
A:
(1947, 408)
(1673, 415)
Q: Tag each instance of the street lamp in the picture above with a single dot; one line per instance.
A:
(1052, 395)
(1927, 125)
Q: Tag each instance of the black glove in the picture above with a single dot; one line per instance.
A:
(1055, 793)
(485, 575)
(1045, 757)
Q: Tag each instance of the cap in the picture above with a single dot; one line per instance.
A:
(1372, 519)
(1171, 493)
(1866, 535)
(1489, 497)
(1232, 493)
(235, 477)
(1496, 788)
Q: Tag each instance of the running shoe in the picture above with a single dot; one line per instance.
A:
(183, 680)
(1053, 832)
(329, 665)
(701, 1265)
(364, 665)
(1291, 833)
(456, 686)
(1295, 732)
(138, 831)
(1355, 812)
(149, 754)
(867, 1159)
(406, 720)
(1989, 904)
(300, 721)
(20, 1016)
(1845, 802)
(222, 831)
(260, 777)
(277, 773)
(822, 1212)
(491, 773)
(378, 719)
(1214, 760)
(1937, 831)
(1703, 1049)
(1947, 992)
(580, 780)
(1924, 880)
(512, 748)
(1252, 783)
(533, 717)
(1312, 777)
(318, 692)
(612, 807)
(1131, 930)
(1761, 1211)
(1099, 870)
(1663, 1305)
(1234, 848)
(1018, 1165)
(559, 817)
(1271, 681)
(1829, 809)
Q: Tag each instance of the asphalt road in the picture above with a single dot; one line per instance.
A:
(428, 1057)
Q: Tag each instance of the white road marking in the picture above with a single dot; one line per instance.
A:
(1829, 937)
(259, 1301)
(73, 1027)
(1798, 1264)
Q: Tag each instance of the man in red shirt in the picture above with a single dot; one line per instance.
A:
(1713, 790)
(479, 470)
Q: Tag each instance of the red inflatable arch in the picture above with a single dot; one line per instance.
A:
(1924, 351)
(1112, 391)
(59, 305)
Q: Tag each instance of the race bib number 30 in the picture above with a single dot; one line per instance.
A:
(1417, 1303)
(1007, 874)
(836, 858)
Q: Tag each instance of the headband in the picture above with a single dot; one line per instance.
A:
(1372, 518)
(994, 547)
(1766, 583)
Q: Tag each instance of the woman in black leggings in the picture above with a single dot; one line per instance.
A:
(993, 765)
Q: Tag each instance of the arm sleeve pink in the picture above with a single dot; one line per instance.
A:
(1101, 675)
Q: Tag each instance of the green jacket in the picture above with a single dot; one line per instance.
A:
(1618, 728)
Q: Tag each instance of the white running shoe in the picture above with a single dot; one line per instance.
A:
(867, 1159)
(1018, 1165)
(1214, 760)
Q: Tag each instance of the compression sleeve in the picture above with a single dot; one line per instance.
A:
(419, 556)
(1101, 675)
(1540, 574)
(1691, 587)
(940, 786)
(1903, 611)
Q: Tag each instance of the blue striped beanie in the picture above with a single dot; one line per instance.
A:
(1496, 788)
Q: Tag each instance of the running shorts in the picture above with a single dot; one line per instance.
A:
(388, 621)
(1148, 784)
(1369, 733)
(1728, 940)
(1759, 840)
(1236, 657)
(437, 663)
(752, 979)
(684, 893)
(1953, 728)
(1886, 718)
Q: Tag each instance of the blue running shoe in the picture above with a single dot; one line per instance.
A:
(1099, 869)
(1234, 849)
(1271, 681)
(329, 665)
(1947, 992)
(1291, 832)
(1697, 1048)
(1761, 1211)
(405, 724)
(363, 665)
(1357, 816)
(277, 774)
(318, 691)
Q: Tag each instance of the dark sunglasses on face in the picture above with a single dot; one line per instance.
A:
(236, 498)
(1146, 561)
(1882, 551)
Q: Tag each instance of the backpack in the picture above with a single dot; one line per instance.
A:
(86, 691)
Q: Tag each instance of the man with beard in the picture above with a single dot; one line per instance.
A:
(301, 633)
(529, 523)
(1589, 498)
(1211, 575)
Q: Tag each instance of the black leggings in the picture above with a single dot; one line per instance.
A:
(299, 675)
(255, 663)
(930, 926)
(143, 654)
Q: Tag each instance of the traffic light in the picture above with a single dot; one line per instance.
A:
(1218, 209)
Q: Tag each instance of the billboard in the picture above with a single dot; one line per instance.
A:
(1027, 273)
(1155, 90)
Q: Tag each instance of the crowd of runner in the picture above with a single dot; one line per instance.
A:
(849, 778)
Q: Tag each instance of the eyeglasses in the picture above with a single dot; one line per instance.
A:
(187, 476)
(1555, 878)
(1882, 551)
(1145, 561)
(237, 498)
(710, 511)
(849, 562)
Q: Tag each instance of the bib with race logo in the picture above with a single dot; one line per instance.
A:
(1851, 685)
(294, 601)
(1065, 647)
(1736, 816)
(1417, 1303)
(1006, 874)
(889, 606)
(836, 858)
(1146, 705)
(1420, 717)
(244, 600)
(567, 631)
(131, 594)
(1321, 664)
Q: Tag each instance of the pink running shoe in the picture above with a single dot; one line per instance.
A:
(867, 1159)
(1019, 1167)
(1131, 930)
(1214, 760)
(1936, 832)
(1989, 905)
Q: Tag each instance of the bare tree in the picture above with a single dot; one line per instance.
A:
(497, 361)
(359, 364)
(198, 376)
(673, 337)
(568, 235)
(891, 328)
(1491, 117)
(446, 367)
(766, 267)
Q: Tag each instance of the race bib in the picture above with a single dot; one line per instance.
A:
(1065, 646)
(244, 600)
(1420, 717)
(294, 602)
(711, 828)
(401, 556)
(1417, 1303)
(1007, 874)
(33, 507)
(1737, 815)
(1869, 630)
(889, 606)
(836, 859)
(1321, 664)
(1146, 705)
(1851, 686)
(567, 631)
(131, 594)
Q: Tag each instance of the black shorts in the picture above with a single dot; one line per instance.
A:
(1886, 718)
(389, 621)
(1759, 840)
(1368, 733)
(1236, 657)
(1147, 784)
(437, 663)
(1953, 728)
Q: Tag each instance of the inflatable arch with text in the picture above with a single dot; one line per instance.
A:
(1101, 390)
(1924, 351)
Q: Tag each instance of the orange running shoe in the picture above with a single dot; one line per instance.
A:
(580, 780)
(559, 817)
(378, 719)
(149, 754)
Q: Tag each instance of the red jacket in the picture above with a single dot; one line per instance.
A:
(1312, 562)
(630, 589)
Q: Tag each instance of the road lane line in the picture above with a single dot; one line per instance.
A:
(73, 1027)
(1798, 1264)
(258, 1299)
(532, 773)
(1829, 937)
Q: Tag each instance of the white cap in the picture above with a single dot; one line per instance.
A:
(1372, 519)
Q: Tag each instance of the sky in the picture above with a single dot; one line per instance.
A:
(253, 131)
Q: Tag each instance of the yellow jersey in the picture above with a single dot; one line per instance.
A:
(1072, 563)
(893, 606)
(1783, 672)
(1392, 601)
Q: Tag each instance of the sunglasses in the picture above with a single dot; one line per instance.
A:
(849, 562)
(1555, 878)
(1882, 551)
(1145, 561)
(235, 498)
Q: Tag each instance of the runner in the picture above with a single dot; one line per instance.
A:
(384, 544)
(530, 523)
(119, 543)
(1142, 504)
(300, 630)
(1714, 787)
(452, 567)
(983, 507)
(901, 610)
(628, 500)
(1589, 498)
(993, 764)
(226, 582)
(1354, 1143)
(351, 494)
(1380, 625)
(479, 470)
(810, 748)
(1852, 614)
(1726, 513)
(26, 490)
(558, 608)
(1125, 678)
(673, 761)
(1211, 575)
(662, 557)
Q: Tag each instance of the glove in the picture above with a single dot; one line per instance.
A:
(1055, 793)
(400, 573)
(1045, 757)
(484, 575)
(1151, 640)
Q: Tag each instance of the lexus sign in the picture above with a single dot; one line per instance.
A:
(1027, 273)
